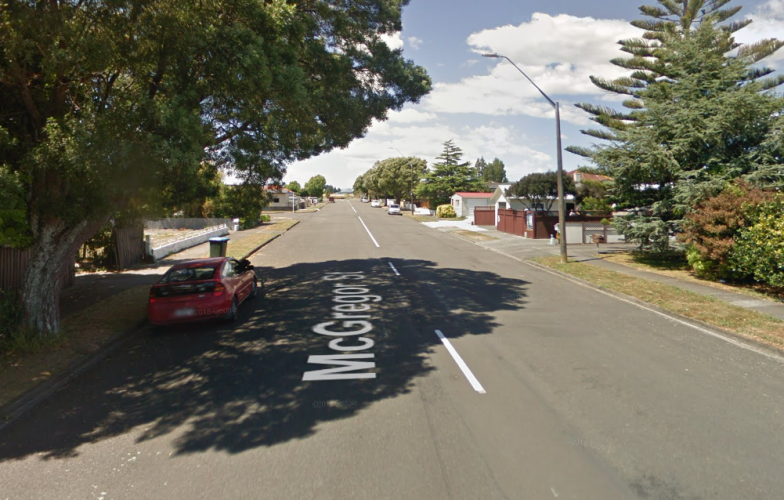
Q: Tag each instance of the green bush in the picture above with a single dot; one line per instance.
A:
(605, 222)
(445, 211)
(265, 218)
(759, 248)
(649, 232)
(711, 231)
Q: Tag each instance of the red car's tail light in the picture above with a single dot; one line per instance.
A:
(152, 296)
(219, 289)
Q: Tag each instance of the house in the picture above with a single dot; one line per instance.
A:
(464, 203)
(499, 199)
(280, 198)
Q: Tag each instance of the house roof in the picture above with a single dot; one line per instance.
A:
(277, 189)
(590, 177)
(474, 195)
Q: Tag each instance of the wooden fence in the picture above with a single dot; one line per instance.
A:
(484, 216)
(13, 264)
(129, 246)
(536, 225)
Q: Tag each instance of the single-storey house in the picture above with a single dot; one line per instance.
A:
(499, 199)
(464, 203)
(578, 177)
(281, 198)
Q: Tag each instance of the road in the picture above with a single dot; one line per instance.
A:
(546, 390)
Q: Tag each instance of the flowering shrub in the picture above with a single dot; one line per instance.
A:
(445, 211)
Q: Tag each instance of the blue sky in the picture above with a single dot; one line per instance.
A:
(485, 105)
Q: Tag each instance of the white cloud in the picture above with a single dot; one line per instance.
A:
(414, 42)
(768, 22)
(469, 62)
(395, 41)
(410, 115)
(559, 53)
(423, 138)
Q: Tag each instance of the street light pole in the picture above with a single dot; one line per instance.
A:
(561, 201)
(410, 181)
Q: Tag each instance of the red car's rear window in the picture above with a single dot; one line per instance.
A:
(189, 274)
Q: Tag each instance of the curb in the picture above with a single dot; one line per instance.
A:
(270, 240)
(27, 401)
(750, 343)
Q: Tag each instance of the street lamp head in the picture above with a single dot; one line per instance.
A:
(490, 55)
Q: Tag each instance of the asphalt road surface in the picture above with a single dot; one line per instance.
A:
(458, 374)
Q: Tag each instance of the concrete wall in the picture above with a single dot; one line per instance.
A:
(185, 223)
(580, 233)
(180, 245)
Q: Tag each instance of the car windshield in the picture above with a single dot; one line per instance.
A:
(394, 206)
(189, 274)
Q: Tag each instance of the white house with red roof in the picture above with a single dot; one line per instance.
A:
(464, 203)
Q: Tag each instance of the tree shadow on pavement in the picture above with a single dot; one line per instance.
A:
(237, 387)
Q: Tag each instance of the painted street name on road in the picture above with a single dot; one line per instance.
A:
(353, 310)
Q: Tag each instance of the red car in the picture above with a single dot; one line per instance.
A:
(202, 289)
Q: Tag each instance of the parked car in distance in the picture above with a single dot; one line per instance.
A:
(202, 289)
(394, 209)
(332, 199)
(364, 200)
(375, 204)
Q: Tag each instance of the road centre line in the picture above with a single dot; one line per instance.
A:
(368, 231)
(352, 207)
(393, 268)
(464, 367)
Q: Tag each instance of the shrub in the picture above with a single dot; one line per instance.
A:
(649, 232)
(759, 248)
(445, 211)
(605, 222)
(711, 229)
(265, 218)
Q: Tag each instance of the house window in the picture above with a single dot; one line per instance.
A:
(276, 200)
(501, 204)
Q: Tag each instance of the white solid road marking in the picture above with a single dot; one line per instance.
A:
(393, 268)
(368, 231)
(352, 207)
(464, 367)
(554, 493)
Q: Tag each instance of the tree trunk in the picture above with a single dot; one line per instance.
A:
(54, 248)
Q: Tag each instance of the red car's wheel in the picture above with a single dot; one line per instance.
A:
(231, 316)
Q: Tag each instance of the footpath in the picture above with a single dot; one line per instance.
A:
(99, 313)
(527, 249)
(90, 288)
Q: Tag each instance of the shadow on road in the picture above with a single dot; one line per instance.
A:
(237, 387)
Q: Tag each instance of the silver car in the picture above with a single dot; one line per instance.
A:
(394, 209)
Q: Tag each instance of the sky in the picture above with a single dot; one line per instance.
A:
(485, 105)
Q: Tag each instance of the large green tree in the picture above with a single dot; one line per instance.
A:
(541, 189)
(294, 187)
(495, 171)
(449, 175)
(104, 102)
(315, 186)
(400, 174)
(701, 114)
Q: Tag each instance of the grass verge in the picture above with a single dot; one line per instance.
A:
(244, 246)
(676, 266)
(709, 310)
(473, 235)
(82, 334)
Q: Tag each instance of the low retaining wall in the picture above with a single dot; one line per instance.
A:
(169, 247)
(581, 232)
(185, 223)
